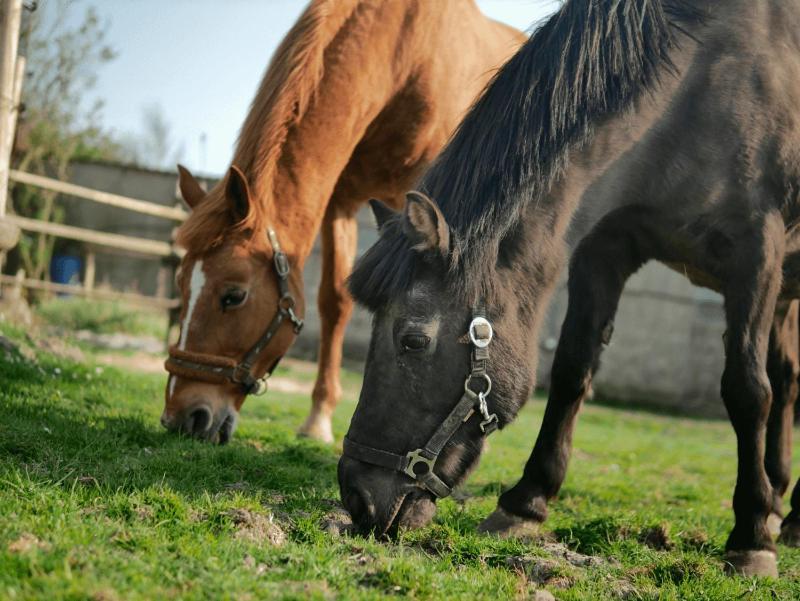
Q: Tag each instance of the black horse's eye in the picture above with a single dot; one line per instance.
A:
(415, 342)
(233, 298)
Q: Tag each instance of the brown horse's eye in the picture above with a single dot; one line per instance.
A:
(233, 298)
(415, 342)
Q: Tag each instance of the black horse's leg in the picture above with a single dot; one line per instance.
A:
(751, 291)
(790, 528)
(599, 268)
(783, 368)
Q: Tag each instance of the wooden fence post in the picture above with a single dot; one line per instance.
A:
(89, 271)
(10, 17)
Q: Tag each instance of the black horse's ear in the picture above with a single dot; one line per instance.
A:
(381, 211)
(425, 225)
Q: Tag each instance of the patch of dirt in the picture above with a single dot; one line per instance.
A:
(290, 386)
(559, 570)
(579, 560)
(142, 362)
(14, 351)
(26, 543)
(259, 568)
(256, 527)
(537, 569)
(121, 342)
(337, 523)
(696, 539)
(57, 347)
(657, 537)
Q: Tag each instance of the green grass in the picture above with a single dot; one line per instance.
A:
(97, 502)
(102, 317)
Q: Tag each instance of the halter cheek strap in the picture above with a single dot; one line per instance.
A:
(419, 463)
(217, 369)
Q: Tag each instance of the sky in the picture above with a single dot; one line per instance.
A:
(201, 61)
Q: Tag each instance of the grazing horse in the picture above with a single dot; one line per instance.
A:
(623, 131)
(359, 98)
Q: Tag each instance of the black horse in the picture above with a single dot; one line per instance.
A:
(623, 131)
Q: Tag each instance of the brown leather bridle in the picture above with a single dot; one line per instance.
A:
(217, 369)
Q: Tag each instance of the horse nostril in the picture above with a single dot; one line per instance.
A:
(356, 506)
(199, 420)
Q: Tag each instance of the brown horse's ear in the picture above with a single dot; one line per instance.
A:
(237, 191)
(191, 191)
(381, 212)
(425, 225)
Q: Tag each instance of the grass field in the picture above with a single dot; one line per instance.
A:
(97, 502)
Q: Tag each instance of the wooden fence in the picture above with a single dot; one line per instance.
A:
(12, 69)
(167, 252)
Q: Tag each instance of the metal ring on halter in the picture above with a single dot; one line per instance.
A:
(486, 379)
(480, 342)
(286, 302)
(259, 387)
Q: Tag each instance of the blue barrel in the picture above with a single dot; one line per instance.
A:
(65, 269)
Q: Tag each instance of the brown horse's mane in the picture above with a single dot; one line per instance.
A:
(590, 59)
(285, 93)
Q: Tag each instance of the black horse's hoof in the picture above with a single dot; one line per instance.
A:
(507, 525)
(752, 563)
(790, 534)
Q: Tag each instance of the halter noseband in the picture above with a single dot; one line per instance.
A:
(419, 463)
(218, 369)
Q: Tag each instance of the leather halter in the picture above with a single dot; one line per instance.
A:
(218, 369)
(419, 463)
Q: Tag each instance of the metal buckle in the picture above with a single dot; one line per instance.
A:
(239, 369)
(415, 457)
(281, 264)
(473, 334)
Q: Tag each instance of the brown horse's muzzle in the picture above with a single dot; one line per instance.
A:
(203, 410)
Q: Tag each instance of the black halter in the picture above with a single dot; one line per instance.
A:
(419, 463)
(216, 369)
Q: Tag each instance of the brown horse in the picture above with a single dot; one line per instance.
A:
(358, 99)
(623, 131)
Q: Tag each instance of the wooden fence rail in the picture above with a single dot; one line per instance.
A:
(115, 200)
(128, 243)
(100, 293)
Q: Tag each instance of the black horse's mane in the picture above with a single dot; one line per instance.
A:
(590, 59)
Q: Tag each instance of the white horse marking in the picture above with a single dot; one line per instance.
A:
(196, 283)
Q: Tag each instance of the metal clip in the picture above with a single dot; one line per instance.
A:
(414, 458)
(488, 419)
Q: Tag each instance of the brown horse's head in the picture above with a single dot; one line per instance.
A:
(419, 359)
(230, 292)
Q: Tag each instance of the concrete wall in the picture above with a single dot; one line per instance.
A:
(666, 350)
(123, 271)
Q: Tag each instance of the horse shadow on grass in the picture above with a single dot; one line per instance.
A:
(72, 441)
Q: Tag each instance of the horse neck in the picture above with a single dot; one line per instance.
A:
(361, 74)
(589, 188)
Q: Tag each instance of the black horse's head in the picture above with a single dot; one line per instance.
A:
(419, 358)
